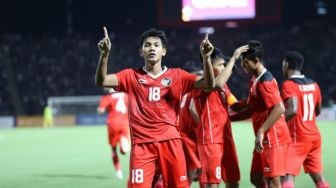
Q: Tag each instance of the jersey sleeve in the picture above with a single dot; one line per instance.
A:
(270, 93)
(188, 80)
(287, 90)
(123, 79)
(231, 99)
(103, 103)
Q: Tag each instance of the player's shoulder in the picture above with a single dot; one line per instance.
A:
(287, 82)
(303, 80)
(177, 72)
(135, 70)
(176, 69)
(267, 76)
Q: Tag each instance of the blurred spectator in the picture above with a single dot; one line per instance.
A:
(44, 66)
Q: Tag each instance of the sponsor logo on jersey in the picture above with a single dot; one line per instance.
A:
(166, 81)
(142, 81)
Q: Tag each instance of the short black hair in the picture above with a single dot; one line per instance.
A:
(255, 51)
(154, 33)
(294, 59)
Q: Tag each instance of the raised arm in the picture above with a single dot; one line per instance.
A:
(102, 78)
(223, 77)
(206, 48)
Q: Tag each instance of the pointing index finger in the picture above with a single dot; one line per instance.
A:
(206, 36)
(105, 32)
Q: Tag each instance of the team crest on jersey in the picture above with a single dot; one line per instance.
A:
(166, 81)
(142, 81)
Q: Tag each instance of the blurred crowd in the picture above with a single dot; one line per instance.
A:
(34, 68)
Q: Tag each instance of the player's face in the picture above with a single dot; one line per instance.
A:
(284, 68)
(248, 65)
(152, 50)
(218, 66)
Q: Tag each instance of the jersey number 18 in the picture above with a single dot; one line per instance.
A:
(154, 94)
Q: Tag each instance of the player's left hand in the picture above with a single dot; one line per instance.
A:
(206, 47)
(259, 142)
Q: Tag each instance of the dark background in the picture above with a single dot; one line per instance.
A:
(49, 48)
(41, 17)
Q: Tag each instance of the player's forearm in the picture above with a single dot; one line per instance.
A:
(276, 113)
(209, 76)
(239, 106)
(101, 70)
(241, 115)
(223, 77)
(289, 114)
(291, 107)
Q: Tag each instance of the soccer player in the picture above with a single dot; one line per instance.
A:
(265, 105)
(154, 93)
(188, 127)
(48, 118)
(215, 142)
(116, 104)
(302, 97)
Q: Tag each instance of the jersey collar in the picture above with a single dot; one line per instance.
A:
(164, 69)
(260, 75)
(297, 76)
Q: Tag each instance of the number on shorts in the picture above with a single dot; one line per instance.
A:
(137, 176)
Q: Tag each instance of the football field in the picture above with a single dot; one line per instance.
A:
(79, 156)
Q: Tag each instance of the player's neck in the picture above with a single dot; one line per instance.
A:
(293, 73)
(259, 69)
(153, 69)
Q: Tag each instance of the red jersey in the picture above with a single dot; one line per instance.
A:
(116, 104)
(263, 95)
(187, 123)
(212, 110)
(154, 101)
(303, 126)
(188, 128)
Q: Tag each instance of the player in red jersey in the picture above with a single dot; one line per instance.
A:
(115, 103)
(154, 93)
(265, 106)
(188, 130)
(302, 97)
(215, 142)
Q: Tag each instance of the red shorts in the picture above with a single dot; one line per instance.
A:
(271, 162)
(230, 165)
(166, 156)
(115, 132)
(190, 151)
(307, 154)
(219, 161)
(211, 159)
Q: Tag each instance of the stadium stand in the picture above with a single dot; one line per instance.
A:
(36, 67)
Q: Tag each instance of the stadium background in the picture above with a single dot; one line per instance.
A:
(48, 48)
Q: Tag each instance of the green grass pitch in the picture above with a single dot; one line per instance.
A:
(69, 157)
